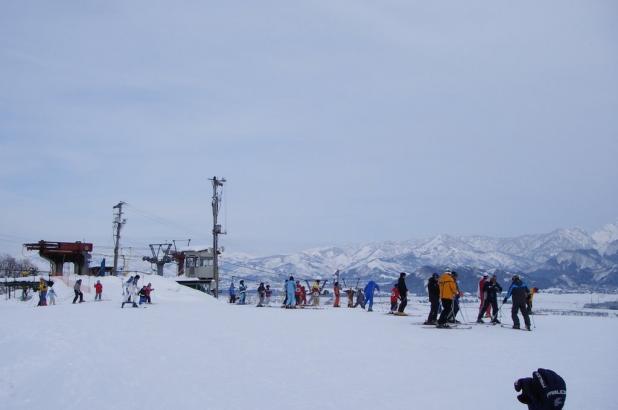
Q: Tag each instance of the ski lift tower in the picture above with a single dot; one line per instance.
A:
(217, 186)
(160, 257)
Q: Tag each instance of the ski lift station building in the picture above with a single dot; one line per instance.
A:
(195, 268)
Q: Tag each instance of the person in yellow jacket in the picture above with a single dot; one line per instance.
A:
(42, 292)
(448, 291)
(533, 291)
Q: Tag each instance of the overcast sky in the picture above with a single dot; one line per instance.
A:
(334, 121)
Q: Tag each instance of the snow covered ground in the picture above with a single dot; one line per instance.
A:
(189, 351)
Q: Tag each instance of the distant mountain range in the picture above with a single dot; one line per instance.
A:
(564, 258)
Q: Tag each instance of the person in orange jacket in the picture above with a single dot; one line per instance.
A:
(98, 290)
(337, 292)
(448, 291)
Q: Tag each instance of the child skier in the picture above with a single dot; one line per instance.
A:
(360, 298)
(52, 294)
(394, 298)
(42, 292)
(147, 293)
(98, 290)
(268, 293)
(350, 294)
(261, 294)
(232, 292)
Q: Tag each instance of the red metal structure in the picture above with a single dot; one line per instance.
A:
(77, 253)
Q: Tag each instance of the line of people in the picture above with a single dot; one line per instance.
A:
(46, 291)
(444, 294)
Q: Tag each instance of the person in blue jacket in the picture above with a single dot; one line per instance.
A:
(290, 288)
(232, 293)
(369, 289)
(242, 290)
(519, 290)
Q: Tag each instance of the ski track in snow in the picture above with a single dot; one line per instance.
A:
(189, 351)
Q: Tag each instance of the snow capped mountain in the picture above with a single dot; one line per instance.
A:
(563, 257)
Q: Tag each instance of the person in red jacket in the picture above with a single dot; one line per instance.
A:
(337, 292)
(298, 293)
(147, 289)
(394, 298)
(98, 290)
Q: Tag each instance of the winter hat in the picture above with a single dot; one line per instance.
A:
(485, 275)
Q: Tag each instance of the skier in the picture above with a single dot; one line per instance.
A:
(433, 289)
(315, 293)
(448, 290)
(126, 288)
(303, 295)
(242, 290)
(403, 292)
(268, 293)
(350, 294)
(98, 290)
(369, 289)
(519, 291)
(459, 294)
(360, 298)
(232, 293)
(147, 291)
(51, 293)
(78, 291)
(491, 289)
(298, 293)
(42, 293)
(261, 294)
(131, 293)
(482, 293)
(291, 289)
(545, 390)
(394, 298)
(336, 291)
(533, 292)
(142, 295)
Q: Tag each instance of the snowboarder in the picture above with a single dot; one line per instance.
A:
(291, 290)
(491, 289)
(77, 288)
(360, 298)
(482, 293)
(51, 293)
(337, 293)
(261, 294)
(403, 292)
(369, 289)
(232, 293)
(42, 292)
(98, 290)
(433, 289)
(242, 290)
(519, 291)
(268, 293)
(545, 390)
(394, 298)
(448, 291)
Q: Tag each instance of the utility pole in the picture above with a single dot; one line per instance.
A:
(118, 224)
(216, 229)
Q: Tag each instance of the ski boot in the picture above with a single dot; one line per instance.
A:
(480, 321)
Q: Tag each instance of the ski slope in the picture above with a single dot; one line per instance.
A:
(190, 351)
